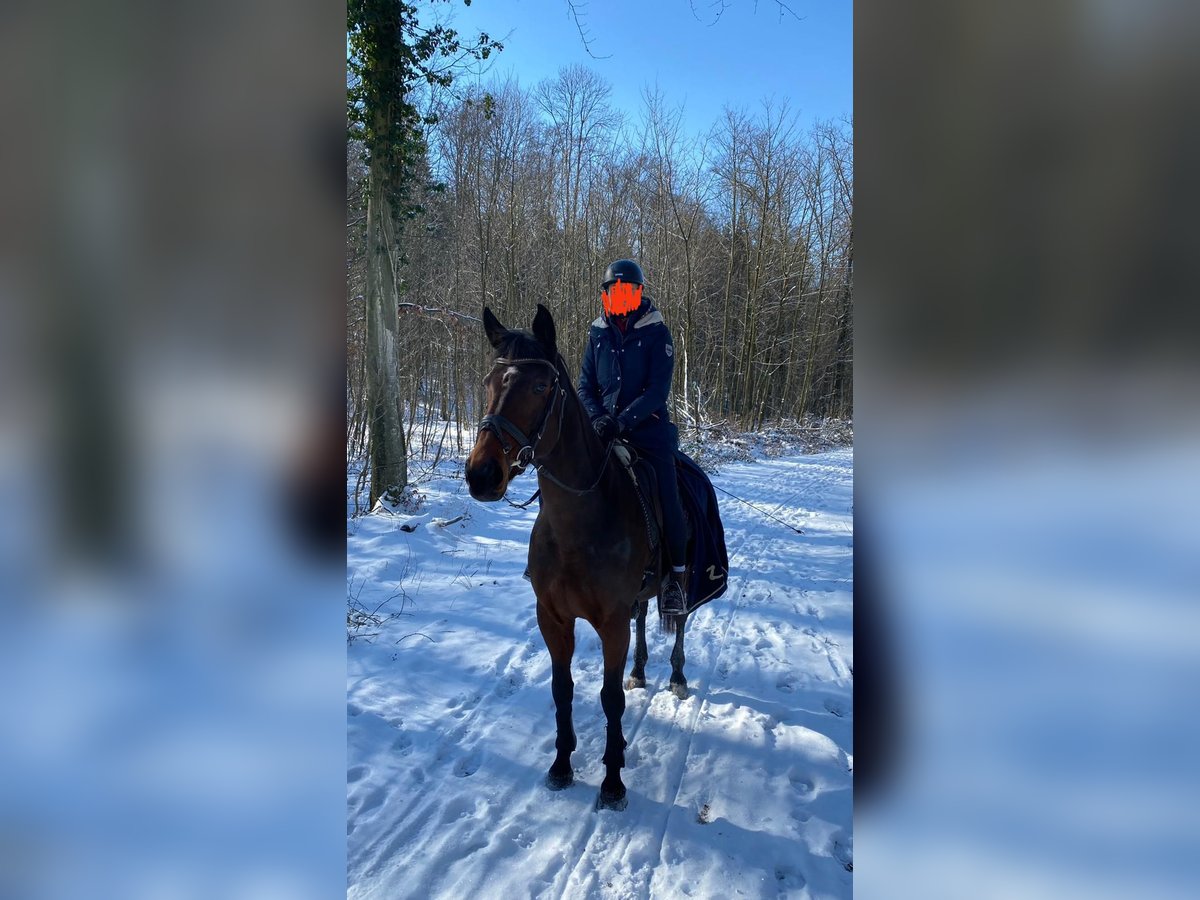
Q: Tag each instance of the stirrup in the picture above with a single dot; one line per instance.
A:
(673, 601)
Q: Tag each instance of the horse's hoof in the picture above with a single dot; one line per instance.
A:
(631, 683)
(612, 800)
(679, 690)
(558, 781)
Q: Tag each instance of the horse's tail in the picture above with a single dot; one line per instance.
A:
(670, 623)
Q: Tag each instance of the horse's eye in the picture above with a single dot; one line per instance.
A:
(539, 388)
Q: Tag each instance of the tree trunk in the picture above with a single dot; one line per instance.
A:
(389, 455)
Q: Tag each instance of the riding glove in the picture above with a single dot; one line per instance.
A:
(607, 428)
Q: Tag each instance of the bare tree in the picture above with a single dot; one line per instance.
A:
(745, 235)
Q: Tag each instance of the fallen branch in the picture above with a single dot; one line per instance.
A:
(418, 634)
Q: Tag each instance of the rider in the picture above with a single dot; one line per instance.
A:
(624, 383)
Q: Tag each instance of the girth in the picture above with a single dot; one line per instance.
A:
(625, 454)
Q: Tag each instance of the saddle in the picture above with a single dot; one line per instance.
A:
(645, 486)
(705, 533)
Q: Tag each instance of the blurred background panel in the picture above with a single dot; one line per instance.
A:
(171, 443)
(1026, 392)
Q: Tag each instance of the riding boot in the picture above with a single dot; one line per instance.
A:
(674, 600)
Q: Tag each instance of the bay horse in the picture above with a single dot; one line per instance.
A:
(589, 550)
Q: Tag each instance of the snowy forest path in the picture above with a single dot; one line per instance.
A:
(744, 786)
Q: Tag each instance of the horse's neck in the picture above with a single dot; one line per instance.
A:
(599, 506)
(579, 440)
(582, 520)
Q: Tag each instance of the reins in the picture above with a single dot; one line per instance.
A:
(527, 454)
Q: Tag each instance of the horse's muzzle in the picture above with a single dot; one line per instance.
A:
(485, 479)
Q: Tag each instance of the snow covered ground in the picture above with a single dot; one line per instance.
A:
(742, 790)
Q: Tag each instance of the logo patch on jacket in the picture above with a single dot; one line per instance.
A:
(670, 350)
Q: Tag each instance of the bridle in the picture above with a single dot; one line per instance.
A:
(500, 426)
(527, 454)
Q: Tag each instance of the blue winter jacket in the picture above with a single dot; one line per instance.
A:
(628, 376)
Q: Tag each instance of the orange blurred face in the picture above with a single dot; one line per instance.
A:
(621, 298)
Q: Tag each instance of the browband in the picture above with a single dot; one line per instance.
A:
(504, 361)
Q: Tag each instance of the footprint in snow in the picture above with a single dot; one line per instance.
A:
(461, 706)
(843, 854)
(373, 801)
(456, 808)
(835, 707)
(511, 684)
(468, 765)
(789, 879)
(786, 682)
(356, 774)
(518, 837)
(801, 782)
(402, 745)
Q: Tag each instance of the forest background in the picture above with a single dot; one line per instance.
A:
(518, 194)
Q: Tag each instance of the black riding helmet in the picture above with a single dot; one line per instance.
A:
(624, 269)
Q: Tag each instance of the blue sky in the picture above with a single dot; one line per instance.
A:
(749, 54)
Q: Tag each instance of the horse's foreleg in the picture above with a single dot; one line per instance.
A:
(678, 683)
(637, 675)
(615, 639)
(560, 641)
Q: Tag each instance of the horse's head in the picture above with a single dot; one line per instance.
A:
(521, 387)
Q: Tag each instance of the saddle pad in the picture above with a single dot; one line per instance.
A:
(710, 559)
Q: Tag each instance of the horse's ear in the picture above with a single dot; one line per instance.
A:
(543, 330)
(496, 333)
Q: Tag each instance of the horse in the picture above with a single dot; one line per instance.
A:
(589, 550)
